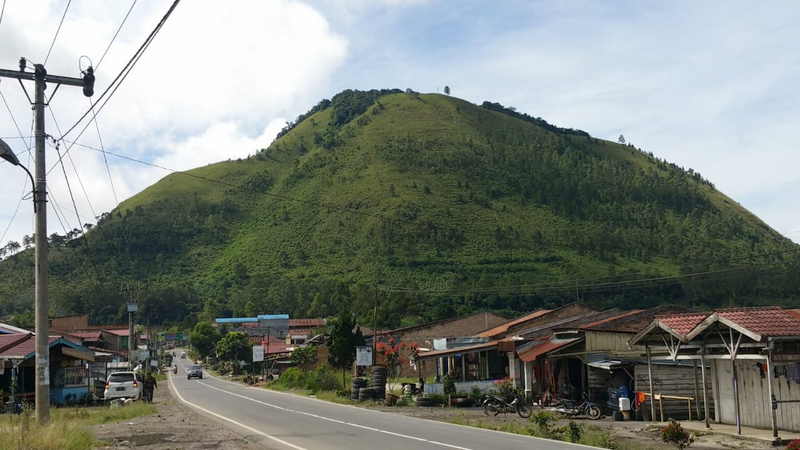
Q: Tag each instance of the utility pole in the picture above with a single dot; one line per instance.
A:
(40, 78)
(132, 308)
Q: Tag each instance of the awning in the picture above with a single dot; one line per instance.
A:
(466, 349)
(605, 365)
(534, 352)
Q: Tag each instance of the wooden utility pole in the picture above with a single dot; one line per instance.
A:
(40, 78)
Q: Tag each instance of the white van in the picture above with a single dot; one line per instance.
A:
(123, 385)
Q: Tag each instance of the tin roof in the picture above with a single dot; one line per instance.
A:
(306, 323)
(534, 352)
(504, 327)
(118, 332)
(23, 348)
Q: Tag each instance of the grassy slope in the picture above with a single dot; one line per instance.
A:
(318, 236)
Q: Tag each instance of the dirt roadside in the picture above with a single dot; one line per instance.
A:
(174, 426)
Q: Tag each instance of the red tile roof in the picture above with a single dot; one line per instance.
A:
(682, 323)
(794, 312)
(504, 327)
(538, 350)
(766, 321)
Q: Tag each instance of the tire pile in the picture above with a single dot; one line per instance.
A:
(378, 382)
(355, 392)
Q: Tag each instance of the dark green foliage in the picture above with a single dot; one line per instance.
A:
(350, 103)
(204, 338)
(321, 379)
(234, 346)
(342, 340)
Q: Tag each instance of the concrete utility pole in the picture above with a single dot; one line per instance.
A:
(41, 78)
(132, 308)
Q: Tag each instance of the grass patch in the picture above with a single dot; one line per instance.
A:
(542, 425)
(68, 427)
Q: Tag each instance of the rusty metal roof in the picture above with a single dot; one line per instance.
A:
(504, 327)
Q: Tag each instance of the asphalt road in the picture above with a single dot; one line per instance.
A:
(288, 421)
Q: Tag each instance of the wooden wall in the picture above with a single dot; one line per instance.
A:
(754, 401)
(675, 380)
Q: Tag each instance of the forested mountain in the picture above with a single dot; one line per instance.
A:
(426, 205)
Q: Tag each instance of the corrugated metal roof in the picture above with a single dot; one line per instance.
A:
(118, 332)
(605, 321)
(546, 347)
(24, 347)
(466, 349)
(306, 323)
(6, 328)
(273, 316)
(504, 327)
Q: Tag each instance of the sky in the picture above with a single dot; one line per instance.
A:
(707, 85)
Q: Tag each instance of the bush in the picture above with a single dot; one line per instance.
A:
(676, 435)
(449, 385)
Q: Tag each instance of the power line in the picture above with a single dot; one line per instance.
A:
(69, 188)
(124, 19)
(74, 167)
(105, 157)
(122, 73)
(58, 30)
(2, 12)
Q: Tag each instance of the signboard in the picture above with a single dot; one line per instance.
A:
(440, 344)
(364, 356)
(258, 353)
(153, 363)
(133, 307)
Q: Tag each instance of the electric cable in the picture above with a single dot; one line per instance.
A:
(69, 189)
(105, 157)
(125, 70)
(74, 167)
(58, 30)
(2, 11)
(113, 38)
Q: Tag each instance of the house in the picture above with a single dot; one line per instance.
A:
(115, 339)
(592, 356)
(423, 336)
(750, 358)
(480, 360)
(69, 378)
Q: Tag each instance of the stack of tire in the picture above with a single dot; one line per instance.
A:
(365, 393)
(358, 383)
(378, 382)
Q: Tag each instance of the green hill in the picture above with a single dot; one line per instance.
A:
(446, 205)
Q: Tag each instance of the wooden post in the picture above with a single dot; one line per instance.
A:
(772, 406)
(650, 379)
(696, 391)
(733, 353)
(703, 376)
(661, 407)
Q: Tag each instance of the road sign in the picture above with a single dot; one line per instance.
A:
(258, 353)
(364, 356)
(133, 307)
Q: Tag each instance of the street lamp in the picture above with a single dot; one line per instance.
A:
(8, 154)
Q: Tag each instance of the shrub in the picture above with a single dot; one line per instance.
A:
(449, 385)
(676, 435)
(321, 379)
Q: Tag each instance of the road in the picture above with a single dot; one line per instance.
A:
(288, 421)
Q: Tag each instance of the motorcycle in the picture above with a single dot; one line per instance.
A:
(584, 408)
(494, 405)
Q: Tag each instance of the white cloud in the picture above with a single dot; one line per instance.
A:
(215, 84)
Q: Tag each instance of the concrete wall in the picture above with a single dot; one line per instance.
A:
(754, 401)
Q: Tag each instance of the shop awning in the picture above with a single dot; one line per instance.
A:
(466, 349)
(605, 365)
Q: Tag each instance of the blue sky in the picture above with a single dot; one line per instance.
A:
(707, 85)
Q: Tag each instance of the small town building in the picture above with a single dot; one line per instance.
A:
(749, 356)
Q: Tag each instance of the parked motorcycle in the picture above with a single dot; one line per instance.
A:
(584, 408)
(494, 405)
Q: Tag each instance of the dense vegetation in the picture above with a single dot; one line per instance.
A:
(425, 205)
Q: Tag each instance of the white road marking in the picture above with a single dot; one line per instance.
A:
(329, 419)
(219, 416)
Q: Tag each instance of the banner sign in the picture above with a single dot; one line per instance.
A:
(364, 356)
(258, 353)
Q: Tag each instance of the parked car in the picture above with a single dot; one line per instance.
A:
(183, 355)
(123, 385)
(194, 371)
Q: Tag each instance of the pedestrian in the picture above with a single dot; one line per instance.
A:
(148, 387)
